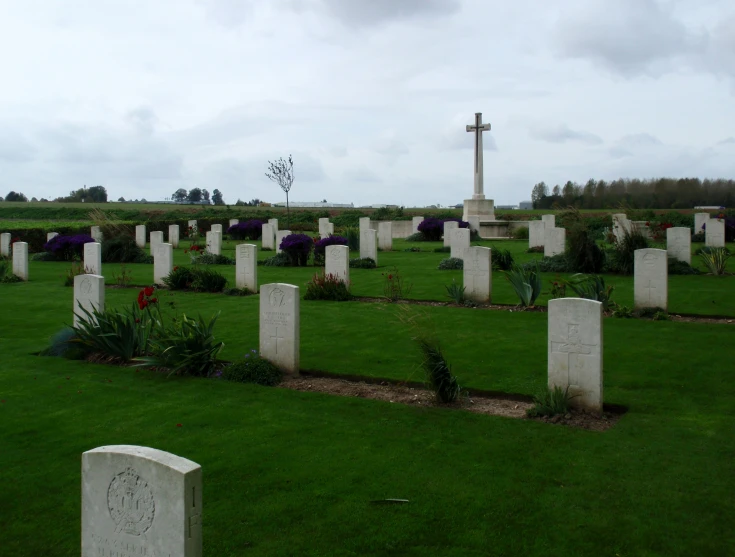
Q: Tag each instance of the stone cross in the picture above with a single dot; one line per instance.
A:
(246, 266)
(140, 501)
(279, 326)
(572, 346)
(478, 128)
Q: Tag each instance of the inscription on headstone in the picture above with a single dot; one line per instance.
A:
(279, 325)
(89, 294)
(246, 266)
(93, 258)
(651, 279)
(477, 274)
(337, 262)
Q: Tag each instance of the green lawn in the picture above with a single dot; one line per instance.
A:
(292, 473)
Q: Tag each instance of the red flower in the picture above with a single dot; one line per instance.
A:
(178, 425)
(137, 320)
(142, 304)
(648, 223)
(153, 301)
(176, 268)
(148, 290)
(390, 277)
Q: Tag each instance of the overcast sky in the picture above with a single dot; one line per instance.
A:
(370, 96)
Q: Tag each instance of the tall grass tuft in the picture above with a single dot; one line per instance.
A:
(526, 282)
(438, 371)
(715, 260)
(550, 402)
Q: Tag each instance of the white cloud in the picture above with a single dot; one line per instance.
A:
(561, 133)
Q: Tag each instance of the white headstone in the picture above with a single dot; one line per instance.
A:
(536, 233)
(621, 224)
(215, 238)
(163, 262)
(699, 220)
(156, 238)
(268, 237)
(448, 227)
(415, 221)
(330, 229)
(337, 262)
(477, 274)
(554, 241)
(715, 233)
(89, 293)
(173, 235)
(216, 228)
(369, 244)
(549, 220)
(51, 235)
(246, 266)
(460, 242)
(323, 227)
(385, 235)
(96, 233)
(279, 326)
(140, 501)
(5, 244)
(274, 224)
(364, 223)
(140, 235)
(575, 350)
(280, 235)
(233, 222)
(20, 260)
(93, 258)
(679, 243)
(651, 279)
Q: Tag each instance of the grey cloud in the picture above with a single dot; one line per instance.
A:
(14, 148)
(640, 140)
(727, 141)
(362, 174)
(627, 37)
(562, 133)
(362, 13)
(619, 152)
(143, 119)
(391, 147)
(228, 13)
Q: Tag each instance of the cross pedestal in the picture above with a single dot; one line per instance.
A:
(478, 206)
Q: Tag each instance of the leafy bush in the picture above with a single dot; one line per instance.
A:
(122, 335)
(698, 238)
(622, 258)
(253, 369)
(550, 402)
(583, 253)
(554, 264)
(362, 263)
(502, 259)
(439, 376)
(43, 256)
(237, 292)
(394, 286)
(206, 258)
(123, 249)
(327, 287)
(455, 292)
(352, 233)
(67, 248)
(677, 267)
(526, 283)
(417, 237)
(591, 288)
(279, 260)
(715, 260)
(655, 314)
(180, 278)
(623, 312)
(521, 233)
(205, 280)
(451, 264)
(249, 230)
(6, 272)
(65, 344)
(297, 247)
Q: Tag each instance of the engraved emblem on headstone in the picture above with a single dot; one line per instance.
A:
(573, 347)
(276, 298)
(650, 259)
(131, 504)
(86, 286)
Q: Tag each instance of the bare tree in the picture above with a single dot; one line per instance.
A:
(281, 172)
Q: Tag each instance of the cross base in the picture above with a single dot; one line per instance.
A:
(479, 207)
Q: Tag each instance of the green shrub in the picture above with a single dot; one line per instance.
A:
(65, 344)
(621, 259)
(417, 237)
(655, 314)
(253, 369)
(622, 311)
(554, 264)
(237, 292)
(521, 233)
(206, 280)
(439, 376)
(526, 283)
(709, 249)
(179, 279)
(715, 259)
(123, 249)
(591, 288)
(455, 292)
(362, 263)
(207, 258)
(451, 264)
(698, 238)
(502, 259)
(443, 249)
(122, 335)
(279, 260)
(327, 287)
(352, 233)
(44, 256)
(583, 253)
(6, 272)
(550, 402)
(677, 267)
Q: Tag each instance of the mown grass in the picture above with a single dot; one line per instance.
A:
(291, 473)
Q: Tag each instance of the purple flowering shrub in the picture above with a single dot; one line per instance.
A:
(248, 230)
(67, 248)
(432, 228)
(297, 247)
(322, 244)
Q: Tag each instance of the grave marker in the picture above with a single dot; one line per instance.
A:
(699, 220)
(140, 501)
(415, 221)
(216, 228)
(323, 227)
(268, 237)
(93, 258)
(20, 260)
(246, 266)
(549, 221)
(385, 236)
(51, 235)
(575, 350)
(173, 235)
(193, 228)
(715, 233)
(554, 241)
(536, 232)
(369, 244)
(274, 224)
(459, 242)
(337, 262)
(89, 294)
(163, 262)
(679, 244)
(280, 235)
(233, 222)
(364, 224)
(140, 235)
(156, 238)
(96, 233)
(650, 279)
(477, 274)
(474, 222)
(5, 244)
(279, 326)
(448, 227)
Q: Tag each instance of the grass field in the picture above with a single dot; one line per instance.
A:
(291, 473)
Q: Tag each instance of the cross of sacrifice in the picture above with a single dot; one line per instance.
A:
(572, 346)
(277, 338)
(478, 128)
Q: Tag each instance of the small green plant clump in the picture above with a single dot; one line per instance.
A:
(6, 272)
(327, 287)
(279, 260)
(502, 259)
(550, 402)
(417, 237)
(199, 280)
(394, 286)
(362, 263)
(237, 292)
(521, 233)
(76, 268)
(677, 267)
(252, 369)
(591, 287)
(715, 259)
(207, 258)
(526, 282)
(455, 292)
(439, 377)
(451, 264)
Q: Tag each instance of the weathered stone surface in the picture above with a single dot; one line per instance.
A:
(448, 227)
(700, 219)
(156, 238)
(268, 238)
(20, 260)
(163, 262)
(140, 235)
(324, 227)
(385, 236)
(96, 233)
(93, 258)
(415, 221)
(459, 242)
(477, 274)
(337, 262)
(140, 501)
(216, 228)
(279, 326)
(214, 242)
(364, 224)
(274, 224)
(280, 235)
(575, 350)
(679, 243)
(369, 244)
(651, 278)
(554, 241)
(89, 294)
(536, 233)
(173, 235)
(246, 266)
(5, 238)
(715, 233)
(549, 221)
(51, 235)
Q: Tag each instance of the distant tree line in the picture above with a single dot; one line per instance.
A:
(658, 193)
(198, 195)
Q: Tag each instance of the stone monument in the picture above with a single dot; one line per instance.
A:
(477, 274)
(337, 262)
(20, 260)
(140, 235)
(478, 206)
(651, 278)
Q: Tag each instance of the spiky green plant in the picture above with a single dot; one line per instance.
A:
(591, 287)
(455, 292)
(550, 402)
(438, 371)
(715, 260)
(526, 282)
(123, 335)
